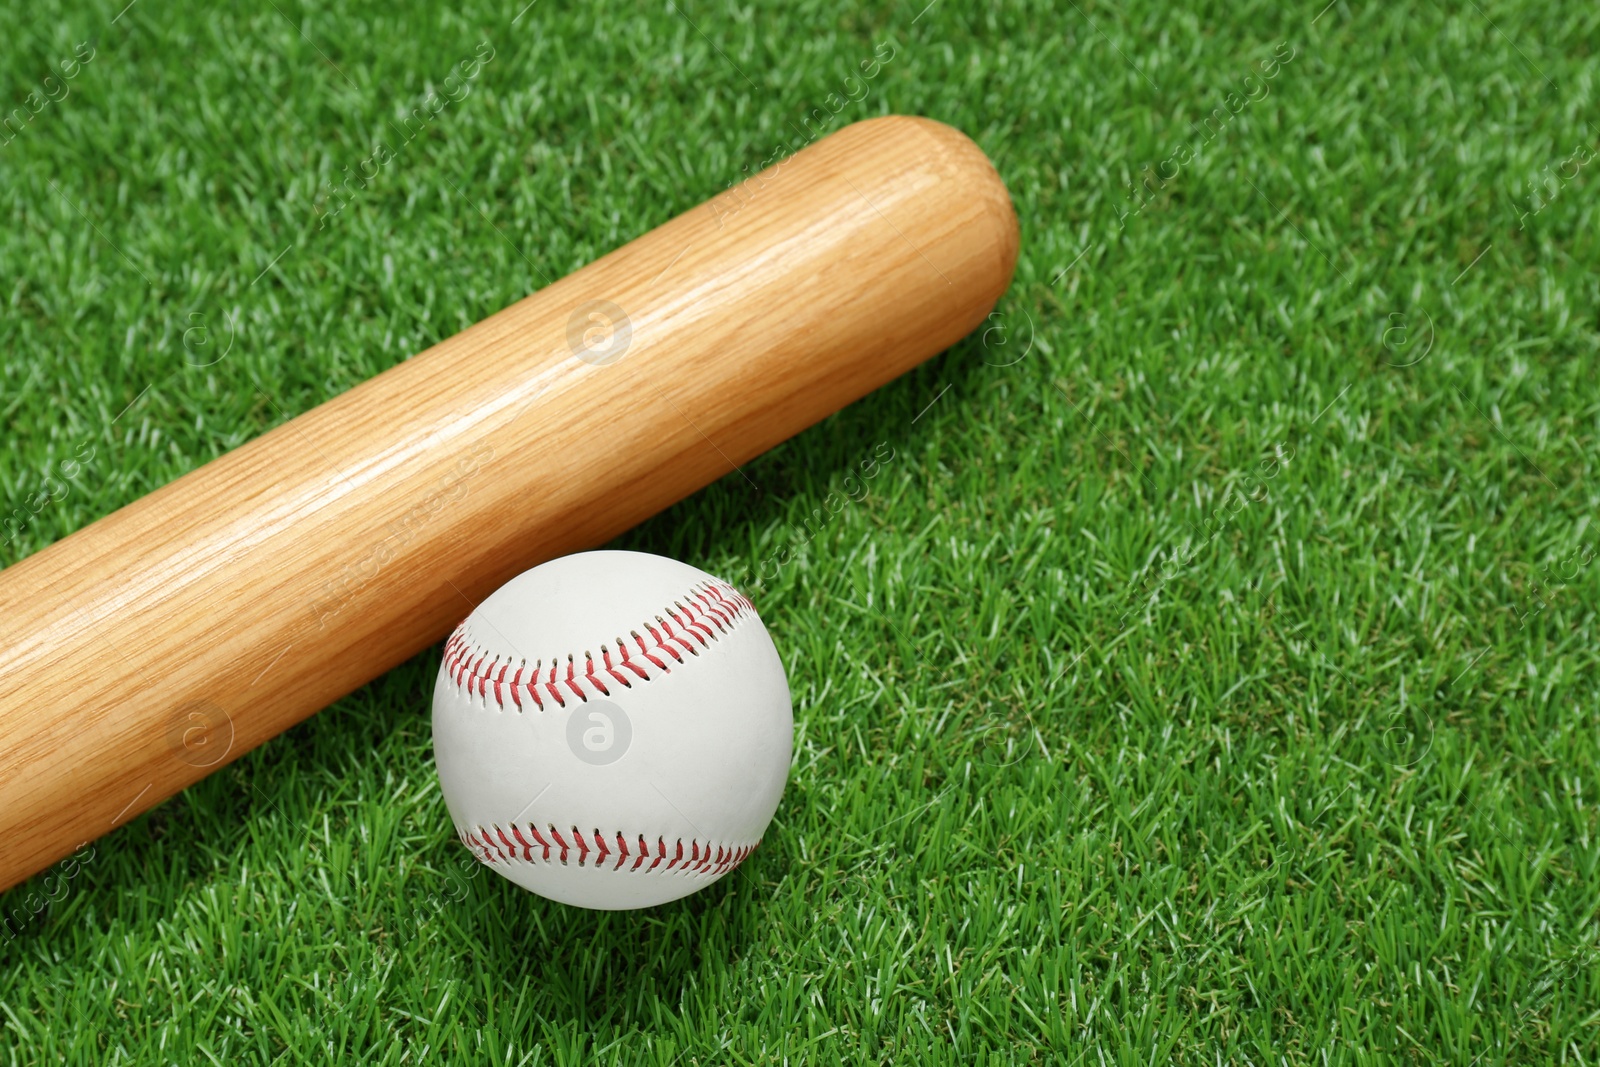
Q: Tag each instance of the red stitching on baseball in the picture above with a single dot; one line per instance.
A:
(689, 623)
(605, 650)
(709, 605)
(591, 677)
(527, 849)
(482, 846)
(627, 661)
(583, 846)
(702, 615)
(667, 629)
(550, 684)
(661, 644)
(535, 832)
(645, 652)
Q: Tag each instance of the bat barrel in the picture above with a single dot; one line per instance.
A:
(161, 642)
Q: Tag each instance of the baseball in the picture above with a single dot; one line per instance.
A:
(612, 729)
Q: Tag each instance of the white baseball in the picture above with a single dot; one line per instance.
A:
(612, 729)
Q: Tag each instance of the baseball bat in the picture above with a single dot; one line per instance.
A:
(159, 643)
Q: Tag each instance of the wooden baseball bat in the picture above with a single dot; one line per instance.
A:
(152, 647)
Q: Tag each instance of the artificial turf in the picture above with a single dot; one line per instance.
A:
(1206, 676)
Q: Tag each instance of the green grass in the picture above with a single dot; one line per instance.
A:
(1085, 771)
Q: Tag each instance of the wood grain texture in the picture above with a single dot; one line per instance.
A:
(161, 642)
